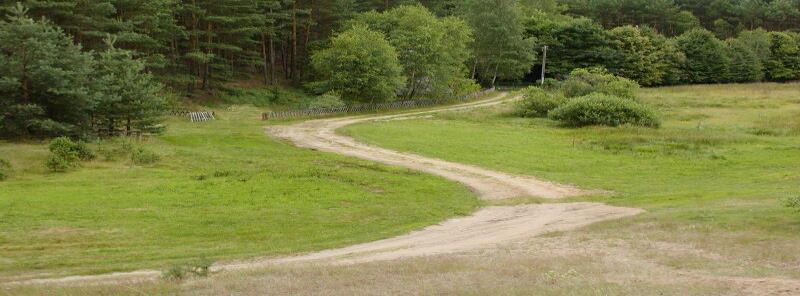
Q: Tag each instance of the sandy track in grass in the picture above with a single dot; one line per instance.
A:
(321, 135)
(487, 228)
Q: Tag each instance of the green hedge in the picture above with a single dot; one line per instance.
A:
(601, 109)
(537, 102)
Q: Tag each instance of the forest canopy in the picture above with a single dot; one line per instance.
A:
(70, 67)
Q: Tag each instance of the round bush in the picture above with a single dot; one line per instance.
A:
(329, 100)
(600, 109)
(537, 102)
(5, 167)
(141, 156)
(582, 82)
(57, 163)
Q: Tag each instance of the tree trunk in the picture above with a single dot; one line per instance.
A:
(413, 89)
(264, 58)
(23, 84)
(474, 68)
(294, 40)
(272, 59)
(494, 78)
(207, 66)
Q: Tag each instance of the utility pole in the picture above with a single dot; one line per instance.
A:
(544, 62)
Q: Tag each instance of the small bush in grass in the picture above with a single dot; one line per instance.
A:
(582, 82)
(59, 164)
(199, 268)
(792, 202)
(600, 109)
(328, 100)
(69, 149)
(65, 154)
(64, 147)
(5, 167)
(141, 156)
(83, 151)
(537, 102)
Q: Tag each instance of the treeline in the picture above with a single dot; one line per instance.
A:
(97, 66)
(725, 18)
(642, 54)
(199, 44)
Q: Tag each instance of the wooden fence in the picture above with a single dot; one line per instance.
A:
(201, 116)
(194, 116)
(396, 105)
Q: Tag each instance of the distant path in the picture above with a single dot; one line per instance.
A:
(488, 227)
(321, 135)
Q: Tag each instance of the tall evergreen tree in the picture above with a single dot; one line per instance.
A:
(44, 79)
(127, 96)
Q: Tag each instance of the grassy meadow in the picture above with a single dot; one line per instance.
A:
(713, 177)
(221, 190)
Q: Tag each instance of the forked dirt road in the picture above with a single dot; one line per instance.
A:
(488, 227)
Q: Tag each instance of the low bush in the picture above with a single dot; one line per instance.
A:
(141, 156)
(792, 202)
(199, 268)
(5, 167)
(601, 109)
(65, 148)
(328, 100)
(582, 82)
(69, 149)
(59, 164)
(66, 154)
(537, 102)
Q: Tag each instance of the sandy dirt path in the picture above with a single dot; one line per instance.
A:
(487, 228)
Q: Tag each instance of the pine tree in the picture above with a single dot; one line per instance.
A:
(128, 96)
(44, 79)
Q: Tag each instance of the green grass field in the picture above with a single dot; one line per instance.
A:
(222, 190)
(713, 177)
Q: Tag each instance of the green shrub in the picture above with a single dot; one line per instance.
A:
(83, 151)
(64, 154)
(328, 100)
(551, 84)
(582, 82)
(537, 102)
(600, 109)
(65, 148)
(5, 167)
(71, 150)
(792, 202)
(707, 60)
(58, 163)
(141, 156)
(199, 268)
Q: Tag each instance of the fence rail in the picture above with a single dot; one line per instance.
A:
(194, 116)
(316, 112)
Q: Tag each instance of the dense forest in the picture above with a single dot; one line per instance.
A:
(76, 67)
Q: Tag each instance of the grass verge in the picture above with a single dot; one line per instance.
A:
(713, 177)
(221, 190)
